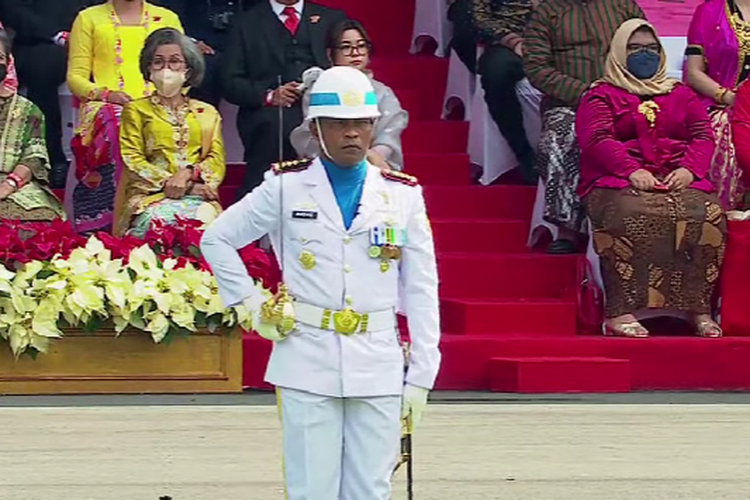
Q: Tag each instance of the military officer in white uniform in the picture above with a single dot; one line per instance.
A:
(351, 238)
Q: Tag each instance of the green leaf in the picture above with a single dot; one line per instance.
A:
(201, 321)
(195, 251)
(44, 274)
(32, 353)
(93, 324)
(136, 319)
(175, 332)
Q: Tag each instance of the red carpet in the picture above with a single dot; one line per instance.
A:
(508, 315)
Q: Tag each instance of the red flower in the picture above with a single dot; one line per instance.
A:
(259, 265)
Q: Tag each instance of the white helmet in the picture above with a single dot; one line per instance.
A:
(344, 93)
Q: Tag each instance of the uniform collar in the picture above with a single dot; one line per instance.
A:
(278, 8)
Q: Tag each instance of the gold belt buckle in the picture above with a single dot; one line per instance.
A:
(347, 321)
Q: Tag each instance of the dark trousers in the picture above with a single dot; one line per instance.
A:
(465, 47)
(259, 131)
(42, 69)
(210, 90)
(501, 69)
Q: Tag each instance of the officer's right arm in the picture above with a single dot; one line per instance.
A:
(242, 224)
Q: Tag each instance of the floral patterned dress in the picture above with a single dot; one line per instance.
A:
(156, 143)
(22, 142)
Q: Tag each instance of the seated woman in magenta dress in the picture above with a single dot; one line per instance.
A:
(646, 149)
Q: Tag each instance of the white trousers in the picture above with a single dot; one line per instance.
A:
(339, 448)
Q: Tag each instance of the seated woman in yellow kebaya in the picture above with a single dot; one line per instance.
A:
(171, 145)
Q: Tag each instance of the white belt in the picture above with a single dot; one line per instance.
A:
(346, 322)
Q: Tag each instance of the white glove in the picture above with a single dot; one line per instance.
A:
(253, 304)
(414, 403)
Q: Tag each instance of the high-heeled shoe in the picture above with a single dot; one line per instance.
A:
(633, 330)
(708, 329)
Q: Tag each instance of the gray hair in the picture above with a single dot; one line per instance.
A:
(194, 60)
(5, 44)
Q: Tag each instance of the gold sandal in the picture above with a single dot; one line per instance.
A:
(633, 330)
(708, 329)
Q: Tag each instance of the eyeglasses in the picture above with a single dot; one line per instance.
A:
(362, 48)
(635, 47)
(173, 64)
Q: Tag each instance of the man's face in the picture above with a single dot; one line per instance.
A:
(287, 2)
(347, 141)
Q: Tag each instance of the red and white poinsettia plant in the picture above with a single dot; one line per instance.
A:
(52, 278)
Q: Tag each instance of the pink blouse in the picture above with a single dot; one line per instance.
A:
(616, 139)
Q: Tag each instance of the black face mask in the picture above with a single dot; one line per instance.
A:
(3, 72)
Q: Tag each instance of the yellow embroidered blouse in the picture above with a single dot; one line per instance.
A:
(156, 143)
(93, 57)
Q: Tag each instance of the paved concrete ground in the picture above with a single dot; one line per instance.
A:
(503, 451)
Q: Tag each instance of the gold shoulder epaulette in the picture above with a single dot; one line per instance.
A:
(286, 167)
(395, 175)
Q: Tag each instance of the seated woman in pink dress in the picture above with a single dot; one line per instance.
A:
(646, 148)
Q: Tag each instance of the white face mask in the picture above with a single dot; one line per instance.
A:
(168, 82)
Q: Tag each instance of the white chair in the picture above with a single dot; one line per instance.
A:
(487, 146)
(461, 87)
(538, 225)
(431, 20)
(675, 49)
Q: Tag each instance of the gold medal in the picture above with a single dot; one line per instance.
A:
(307, 260)
(385, 266)
(375, 251)
(396, 253)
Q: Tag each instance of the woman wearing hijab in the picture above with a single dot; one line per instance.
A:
(646, 148)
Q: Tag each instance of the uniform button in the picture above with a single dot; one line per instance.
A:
(348, 239)
(347, 269)
(348, 299)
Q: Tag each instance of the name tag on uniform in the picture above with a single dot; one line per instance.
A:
(305, 214)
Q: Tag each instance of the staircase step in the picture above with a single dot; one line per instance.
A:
(509, 202)
(480, 235)
(426, 74)
(555, 375)
(411, 101)
(436, 137)
(439, 170)
(507, 276)
(508, 317)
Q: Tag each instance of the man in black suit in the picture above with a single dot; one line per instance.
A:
(276, 40)
(41, 30)
(207, 22)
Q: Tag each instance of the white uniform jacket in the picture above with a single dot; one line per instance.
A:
(320, 361)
